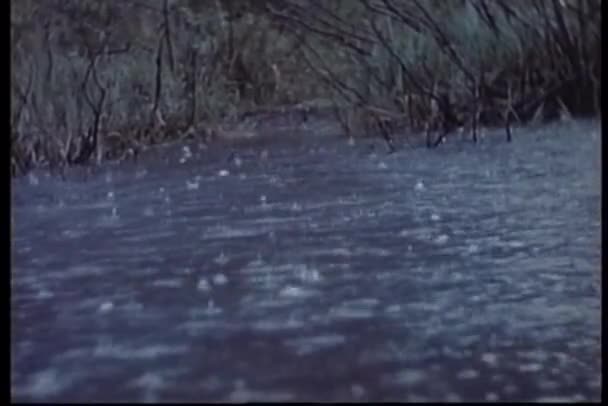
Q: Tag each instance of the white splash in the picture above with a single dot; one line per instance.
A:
(491, 397)
(442, 239)
(212, 308)
(222, 259)
(473, 248)
(203, 285)
(295, 292)
(106, 307)
(220, 279)
(192, 185)
(489, 358)
(306, 274)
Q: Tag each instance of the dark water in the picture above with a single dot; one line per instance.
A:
(323, 272)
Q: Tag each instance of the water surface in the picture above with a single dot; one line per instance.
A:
(316, 270)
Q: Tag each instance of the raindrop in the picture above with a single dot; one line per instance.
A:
(393, 308)
(221, 259)
(357, 390)
(212, 309)
(419, 185)
(468, 374)
(106, 307)
(203, 285)
(44, 294)
(533, 367)
(290, 291)
(191, 185)
(309, 275)
(442, 239)
(452, 397)
(491, 397)
(220, 279)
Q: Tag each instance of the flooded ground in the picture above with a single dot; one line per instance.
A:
(311, 269)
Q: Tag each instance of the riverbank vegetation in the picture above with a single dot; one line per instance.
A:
(102, 79)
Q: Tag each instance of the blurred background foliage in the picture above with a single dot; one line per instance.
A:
(95, 79)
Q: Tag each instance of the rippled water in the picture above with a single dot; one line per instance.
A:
(323, 271)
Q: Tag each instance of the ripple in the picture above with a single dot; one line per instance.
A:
(355, 309)
(278, 325)
(297, 292)
(468, 374)
(121, 352)
(410, 377)
(486, 272)
(48, 382)
(309, 345)
(172, 283)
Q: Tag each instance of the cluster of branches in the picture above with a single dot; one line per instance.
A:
(97, 79)
(449, 64)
